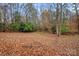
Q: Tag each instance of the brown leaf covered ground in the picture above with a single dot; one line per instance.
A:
(38, 44)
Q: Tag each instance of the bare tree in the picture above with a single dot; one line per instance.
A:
(76, 10)
(58, 17)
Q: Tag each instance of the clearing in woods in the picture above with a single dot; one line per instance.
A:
(38, 43)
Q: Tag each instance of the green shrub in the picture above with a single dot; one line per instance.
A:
(29, 27)
(14, 27)
(64, 29)
(26, 27)
(2, 27)
(21, 28)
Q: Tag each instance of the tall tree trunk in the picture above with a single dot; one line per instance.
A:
(58, 17)
(77, 15)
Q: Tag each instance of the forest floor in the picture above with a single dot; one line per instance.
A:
(38, 44)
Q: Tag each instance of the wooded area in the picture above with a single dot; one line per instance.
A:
(55, 18)
(39, 29)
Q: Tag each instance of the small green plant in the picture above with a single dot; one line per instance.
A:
(22, 26)
(64, 28)
(14, 27)
(2, 27)
(26, 27)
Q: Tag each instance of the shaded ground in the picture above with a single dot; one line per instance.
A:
(38, 43)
